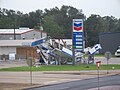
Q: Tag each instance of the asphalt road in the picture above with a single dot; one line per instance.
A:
(84, 84)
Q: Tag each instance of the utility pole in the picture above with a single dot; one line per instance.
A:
(14, 31)
(41, 29)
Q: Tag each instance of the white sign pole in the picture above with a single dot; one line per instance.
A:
(98, 66)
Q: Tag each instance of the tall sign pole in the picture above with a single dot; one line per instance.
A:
(77, 37)
(98, 66)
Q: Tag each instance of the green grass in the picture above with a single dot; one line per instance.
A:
(102, 55)
(99, 55)
(62, 68)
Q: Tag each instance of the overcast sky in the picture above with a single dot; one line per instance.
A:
(100, 7)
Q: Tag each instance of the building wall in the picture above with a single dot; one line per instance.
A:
(9, 36)
(31, 35)
(15, 43)
(109, 41)
(20, 47)
(44, 34)
(10, 46)
(5, 51)
(25, 52)
(20, 52)
(27, 35)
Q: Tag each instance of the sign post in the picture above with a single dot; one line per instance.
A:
(30, 63)
(108, 55)
(77, 37)
(98, 66)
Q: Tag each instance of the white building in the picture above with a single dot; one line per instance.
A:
(21, 33)
(20, 47)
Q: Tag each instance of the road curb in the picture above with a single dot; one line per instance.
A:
(79, 73)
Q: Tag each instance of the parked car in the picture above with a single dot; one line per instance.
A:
(117, 53)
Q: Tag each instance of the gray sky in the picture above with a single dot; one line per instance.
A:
(100, 7)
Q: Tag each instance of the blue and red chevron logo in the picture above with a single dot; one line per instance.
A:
(77, 26)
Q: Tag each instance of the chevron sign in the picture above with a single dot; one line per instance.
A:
(77, 35)
(77, 25)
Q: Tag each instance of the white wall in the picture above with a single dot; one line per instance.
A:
(6, 50)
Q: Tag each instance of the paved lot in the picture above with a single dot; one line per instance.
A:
(7, 64)
(103, 60)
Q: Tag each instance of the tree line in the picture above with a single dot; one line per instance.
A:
(58, 22)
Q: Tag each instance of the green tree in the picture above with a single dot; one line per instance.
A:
(110, 23)
(118, 26)
(52, 27)
(93, 27)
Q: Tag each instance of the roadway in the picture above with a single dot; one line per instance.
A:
(112, 80)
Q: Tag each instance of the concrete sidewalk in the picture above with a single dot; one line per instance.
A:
(84, 72)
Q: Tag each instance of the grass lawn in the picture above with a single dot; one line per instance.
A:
(62, 68)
